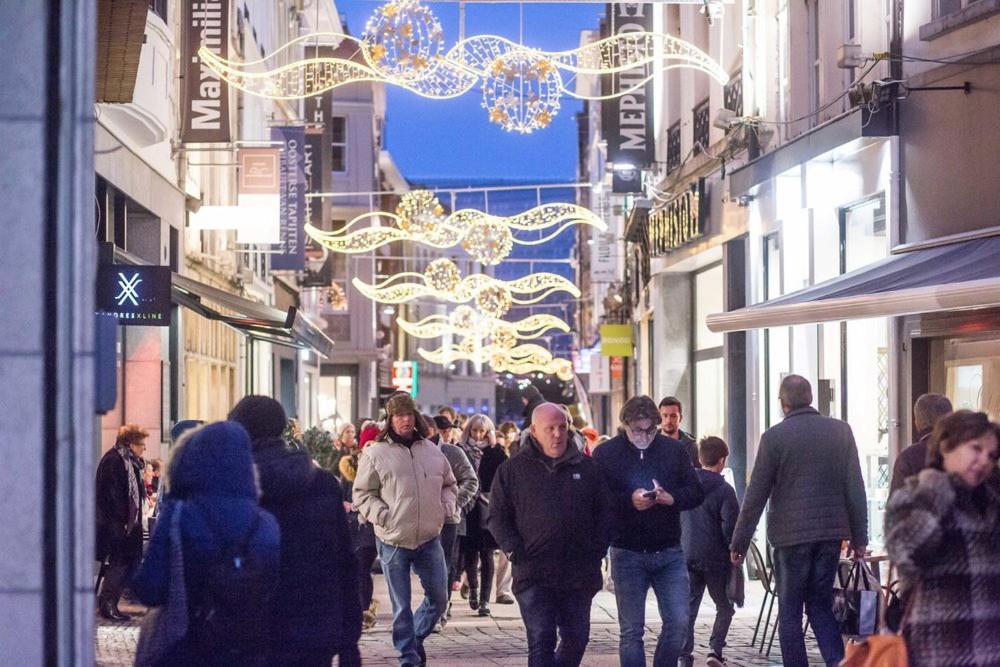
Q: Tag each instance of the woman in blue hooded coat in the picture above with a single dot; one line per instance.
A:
(228, 542)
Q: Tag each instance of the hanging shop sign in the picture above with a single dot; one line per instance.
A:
(404, 376)
(134, 295)
(600, 373)
(627, 120)
(205, 110)
(292, 189)
(679, 222)
(319, 264)
(616, 340)
(604, 258)
(256, 215)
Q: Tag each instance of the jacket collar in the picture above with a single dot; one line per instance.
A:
(572, 454)
(808, 410)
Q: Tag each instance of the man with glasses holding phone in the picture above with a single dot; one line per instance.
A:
(652, 481)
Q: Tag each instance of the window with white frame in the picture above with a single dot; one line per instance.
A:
(338, 141)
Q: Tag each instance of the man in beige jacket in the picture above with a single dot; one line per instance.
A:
(405, 488)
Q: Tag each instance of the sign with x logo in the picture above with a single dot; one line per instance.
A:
(135, 295)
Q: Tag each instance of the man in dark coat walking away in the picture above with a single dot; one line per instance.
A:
(651, 481)
(926, 411)
(809, 469)
(317, 606)
(531, 398)
(120, 491)
(550, 511)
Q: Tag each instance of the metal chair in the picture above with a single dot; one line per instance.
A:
(766, 575)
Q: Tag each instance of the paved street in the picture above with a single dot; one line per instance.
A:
(469, 640)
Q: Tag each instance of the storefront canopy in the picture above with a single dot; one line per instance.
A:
(952, 277)
(255, 320)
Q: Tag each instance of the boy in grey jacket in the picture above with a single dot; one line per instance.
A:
(705, 535)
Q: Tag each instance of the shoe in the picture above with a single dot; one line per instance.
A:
(484, 610)
(715, 660)
(505, 599)
(367, 620)
(108, 611)
(464, 591)
(442, 624)
(447, 614)
(474, 599)
(455, 585)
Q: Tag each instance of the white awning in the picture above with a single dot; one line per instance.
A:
(959, 276)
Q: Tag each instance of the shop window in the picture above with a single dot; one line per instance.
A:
(337, 395)
(700, 125)
(732, 94)
(338, 132)
(709, 415)
(674, 147)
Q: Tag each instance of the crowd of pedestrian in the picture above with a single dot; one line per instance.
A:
(257, 555)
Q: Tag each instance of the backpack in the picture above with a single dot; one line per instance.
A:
(231, 618)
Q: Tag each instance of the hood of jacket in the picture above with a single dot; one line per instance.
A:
(710, 481)
(216, 461)
(283, 473)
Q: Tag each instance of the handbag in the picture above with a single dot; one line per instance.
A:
(164, 628)
(736, 585)
(881, 650)
(856, 603)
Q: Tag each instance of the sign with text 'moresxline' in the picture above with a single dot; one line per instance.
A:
(205, 110)
(291, 255)
(135, 295)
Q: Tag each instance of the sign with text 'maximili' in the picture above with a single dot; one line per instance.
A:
(616, 340)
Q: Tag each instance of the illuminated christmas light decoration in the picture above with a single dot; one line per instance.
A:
(465, 322)
(519, 360)
(521, 86)
(488, 238)
(441, 280)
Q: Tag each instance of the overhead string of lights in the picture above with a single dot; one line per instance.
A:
(403, 45)
(465, 322)
(488, 238)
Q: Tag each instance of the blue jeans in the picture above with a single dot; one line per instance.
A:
(427, 560)
(633, 573)
(546, 609)
(805, 574)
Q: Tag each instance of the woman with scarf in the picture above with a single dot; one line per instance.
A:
(479, 443)
(120, 492)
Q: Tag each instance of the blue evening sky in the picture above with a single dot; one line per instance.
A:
(453, 139)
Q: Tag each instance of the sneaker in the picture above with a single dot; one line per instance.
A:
(505, 599)
(484, 609)
(715, 660)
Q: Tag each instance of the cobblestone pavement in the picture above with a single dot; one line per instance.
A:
(469, 640)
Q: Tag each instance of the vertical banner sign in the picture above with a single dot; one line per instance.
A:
(628, 119)
(291, 255)
(319, 268)
(205, 111)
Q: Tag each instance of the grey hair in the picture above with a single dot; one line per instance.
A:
(638, 408)
(928, 409)
(476, 421)
(795, 392)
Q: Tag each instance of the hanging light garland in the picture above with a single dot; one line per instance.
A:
(519, 360)
(488, 238)
(442, 280)
(465, 322)
(521, 86)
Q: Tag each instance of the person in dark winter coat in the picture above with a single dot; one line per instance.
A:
(317, 610)
(706, 532)
(651, 481)
(927, 410)
(210, 481)
(365, 550)
(942, 534)
(120, 493)
(531, 398)
(550, 511)
(809, 469)
(479, 444)
(671, 416)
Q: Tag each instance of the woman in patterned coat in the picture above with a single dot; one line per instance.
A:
(944, 536)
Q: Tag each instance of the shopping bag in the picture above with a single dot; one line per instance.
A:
(736, 586)
(856, 602)
(877, 651)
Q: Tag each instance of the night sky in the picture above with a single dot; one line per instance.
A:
(435, 139)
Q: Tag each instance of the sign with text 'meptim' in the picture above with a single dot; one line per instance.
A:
(135, 295)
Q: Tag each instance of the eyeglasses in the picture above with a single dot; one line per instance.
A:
(651, 431)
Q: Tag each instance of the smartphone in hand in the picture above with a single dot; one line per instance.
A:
(649, 495)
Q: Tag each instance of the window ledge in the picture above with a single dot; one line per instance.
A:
(945, 24)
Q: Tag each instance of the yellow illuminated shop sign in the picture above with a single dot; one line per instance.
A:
(679, 222)
(616, 340)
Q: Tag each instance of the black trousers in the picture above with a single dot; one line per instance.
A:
(366, 558)
(449, 543)
(479, 567)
